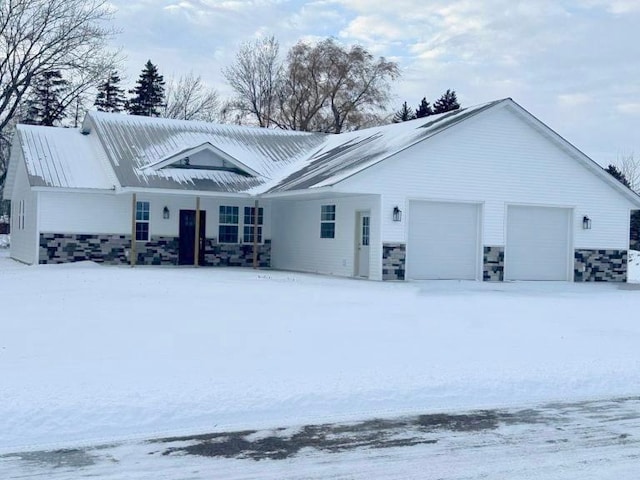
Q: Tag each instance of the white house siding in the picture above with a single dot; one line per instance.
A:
(210, 205)
(24, 237)
(85, 213)
(497, 158)
(296, 236)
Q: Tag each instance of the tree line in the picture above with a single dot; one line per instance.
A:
(55, 64)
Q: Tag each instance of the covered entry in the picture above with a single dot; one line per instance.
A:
(538, 243)
(443, 240)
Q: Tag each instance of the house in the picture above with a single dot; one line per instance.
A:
(481, 193)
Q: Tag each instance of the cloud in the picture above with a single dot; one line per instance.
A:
(573, 99)
(629, 108)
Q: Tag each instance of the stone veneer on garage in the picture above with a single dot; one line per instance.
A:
(393, 261)
(600, 265)
(493, 264)
(160, 250)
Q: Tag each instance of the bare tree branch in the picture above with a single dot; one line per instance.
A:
(37, 36)
(189, 98)
(630, 168)
(254, 77)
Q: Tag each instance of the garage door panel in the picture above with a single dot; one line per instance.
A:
(537, 243)
(443, 240)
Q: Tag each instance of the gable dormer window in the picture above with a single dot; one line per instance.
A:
(203, 157)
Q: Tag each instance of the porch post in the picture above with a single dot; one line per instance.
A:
(132, 254)
(255, 234)
(196, 258)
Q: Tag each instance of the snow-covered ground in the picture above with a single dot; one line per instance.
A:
(633, 266)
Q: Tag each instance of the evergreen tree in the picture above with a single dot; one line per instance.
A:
(110, 96)
(148, 95)
(45, 103)
(424, 109)
(617, 174)
(404, 114)
(446, 102)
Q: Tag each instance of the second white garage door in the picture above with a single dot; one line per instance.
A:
(537, 243)
(443, 241)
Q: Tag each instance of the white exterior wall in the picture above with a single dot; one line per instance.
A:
(85, 213)
(296, 236)
(171, 226)
(496, 159)
(89, 213)
(24, 238)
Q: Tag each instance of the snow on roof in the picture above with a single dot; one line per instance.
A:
(133, 143)
(275, 160)
(62, 157)
(346, 154)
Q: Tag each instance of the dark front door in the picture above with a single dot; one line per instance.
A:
(188, 237)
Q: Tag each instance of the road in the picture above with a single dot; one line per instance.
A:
(586, 440)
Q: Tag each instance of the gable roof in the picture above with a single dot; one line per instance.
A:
(114, 151)
(346, 154)
(60, 157)
(133, 143)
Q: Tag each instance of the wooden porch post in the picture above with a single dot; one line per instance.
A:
(132, 254)
(196, 258)
(255, 234)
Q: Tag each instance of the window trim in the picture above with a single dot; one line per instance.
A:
(140, 219)
(223, 214)
(328, 221)
(249, 223)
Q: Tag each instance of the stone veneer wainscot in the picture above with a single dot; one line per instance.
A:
(600, 265)
(159, 250)
(393, 261)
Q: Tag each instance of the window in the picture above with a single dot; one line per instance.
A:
(327, 221)
(365, 231)
(249, 224)
(142, 221)
(228, 228)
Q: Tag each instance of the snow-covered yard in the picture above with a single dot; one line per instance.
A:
(92, 354)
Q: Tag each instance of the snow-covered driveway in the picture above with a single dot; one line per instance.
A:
(92, 354)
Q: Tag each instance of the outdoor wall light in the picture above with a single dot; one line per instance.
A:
(165, 212)
(586, 223)
(397, 214)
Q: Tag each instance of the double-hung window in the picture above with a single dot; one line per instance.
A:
(327, 221)
(250, 223)
(142, 221)
(228, 224)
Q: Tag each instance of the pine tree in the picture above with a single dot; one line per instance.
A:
(617, 174)
(446, 102)
(424, 109)
(148, 95)
(110, 96)
(404, 114)
(45, 103)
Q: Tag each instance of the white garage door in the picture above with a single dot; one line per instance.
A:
(537, 243)
(443, 241)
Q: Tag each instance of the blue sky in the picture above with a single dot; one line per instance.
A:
(573, 63)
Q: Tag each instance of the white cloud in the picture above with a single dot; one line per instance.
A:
(573, 99)
(629, 108)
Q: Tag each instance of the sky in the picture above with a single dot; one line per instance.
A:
(574, 64)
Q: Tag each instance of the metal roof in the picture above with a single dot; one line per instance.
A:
(349, 153)
(62, 157)
(133, 143)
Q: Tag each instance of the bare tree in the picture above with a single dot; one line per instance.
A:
(303, 91)
(357, 82)
(37, 36)
(630, 168)
(188, 98)
(254, 76)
